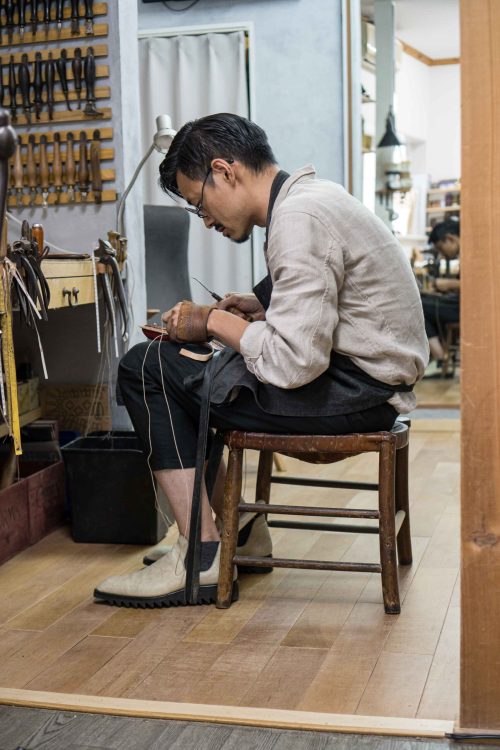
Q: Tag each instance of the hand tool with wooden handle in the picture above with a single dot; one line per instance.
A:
(89, 17)
(21, 13)
(50, 77)
(12, 89)
(70, 168)
(75, 17)
(44, 171)
(95, 166)
(31, 169)
(57, 167)
(34, 16)
(59, 13)
(2, 87)
(9, 16)
(77, 67)
(46, 15)
(90, 76)
(38, 84)
(23, 73)
(61, 69)
(18, 177)
(83, 170)
(37, 235)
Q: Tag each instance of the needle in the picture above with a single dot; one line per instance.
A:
(213, 294)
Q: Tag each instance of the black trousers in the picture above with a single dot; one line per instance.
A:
(165, 413)
(438, 312)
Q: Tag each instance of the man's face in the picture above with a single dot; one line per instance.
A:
(450, 246)
(221, 200)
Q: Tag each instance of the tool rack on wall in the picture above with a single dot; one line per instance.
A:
(60, 83)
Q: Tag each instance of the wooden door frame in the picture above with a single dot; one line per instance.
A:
(480, 381)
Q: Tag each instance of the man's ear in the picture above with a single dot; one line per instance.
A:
(224, 167)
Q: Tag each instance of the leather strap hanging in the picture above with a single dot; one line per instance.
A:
(193, 555)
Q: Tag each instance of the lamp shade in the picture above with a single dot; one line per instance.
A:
(389, 139)
(164, 135)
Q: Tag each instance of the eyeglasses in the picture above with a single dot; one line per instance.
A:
(198, 210)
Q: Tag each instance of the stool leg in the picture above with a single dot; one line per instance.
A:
(405, 556)
(232, 493)
(387, 529)
(263, 486)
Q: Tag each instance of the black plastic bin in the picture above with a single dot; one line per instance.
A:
(110, 491)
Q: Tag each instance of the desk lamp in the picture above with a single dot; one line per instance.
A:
(161, 142)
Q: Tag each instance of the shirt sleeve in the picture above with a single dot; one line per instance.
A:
(292, 346)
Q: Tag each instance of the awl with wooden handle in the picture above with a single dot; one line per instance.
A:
(44, 171)
(83, 171)
(17, 173)
(75, 17)
(70, 168)
(37, 84)
(57, 172)
(95, 166)
(31, 170)
(77, 68)
(23, 73)
(50, 77)
(61, 69)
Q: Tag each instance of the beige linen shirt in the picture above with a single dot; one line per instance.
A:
(341, 281)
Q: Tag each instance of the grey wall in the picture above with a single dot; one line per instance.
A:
(298, 72)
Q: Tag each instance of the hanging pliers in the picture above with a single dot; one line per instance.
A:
(106, 254)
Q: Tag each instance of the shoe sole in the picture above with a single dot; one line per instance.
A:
(241, 569)
(206, 595)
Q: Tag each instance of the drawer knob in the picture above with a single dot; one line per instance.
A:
(76, 292)
(67, 293)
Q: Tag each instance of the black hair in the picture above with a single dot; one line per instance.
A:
(440, 230)
(224, 136)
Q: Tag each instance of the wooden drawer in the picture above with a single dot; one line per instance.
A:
(58, 298)
(66, 275)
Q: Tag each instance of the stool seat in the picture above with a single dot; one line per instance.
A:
(392, 513)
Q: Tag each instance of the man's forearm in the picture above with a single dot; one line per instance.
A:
(227, 327)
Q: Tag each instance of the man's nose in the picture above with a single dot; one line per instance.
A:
(208, 221)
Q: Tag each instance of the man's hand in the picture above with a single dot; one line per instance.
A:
(245, 306)
(187, 321)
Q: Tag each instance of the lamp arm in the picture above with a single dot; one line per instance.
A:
(121, 204)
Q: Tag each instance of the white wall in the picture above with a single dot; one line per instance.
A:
(443, 150)
(427, 103)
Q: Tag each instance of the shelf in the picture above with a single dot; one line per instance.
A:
(444, 190)
(442, 210)
(367, 100)
(24, 419)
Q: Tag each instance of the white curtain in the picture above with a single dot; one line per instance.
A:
(188, 77)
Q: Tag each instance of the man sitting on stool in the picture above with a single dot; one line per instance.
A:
(331, 342)
(444, 307)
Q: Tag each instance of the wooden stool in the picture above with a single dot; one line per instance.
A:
(451, 347)
(392, 514)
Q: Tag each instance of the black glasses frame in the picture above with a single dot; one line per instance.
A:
(198, 210)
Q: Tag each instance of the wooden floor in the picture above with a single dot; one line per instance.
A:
(439, 393)
(307, 640)
(57, 730)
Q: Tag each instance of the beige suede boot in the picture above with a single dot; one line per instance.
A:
(254, 540)
(162, 584)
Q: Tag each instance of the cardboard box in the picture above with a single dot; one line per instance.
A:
(76, 408)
